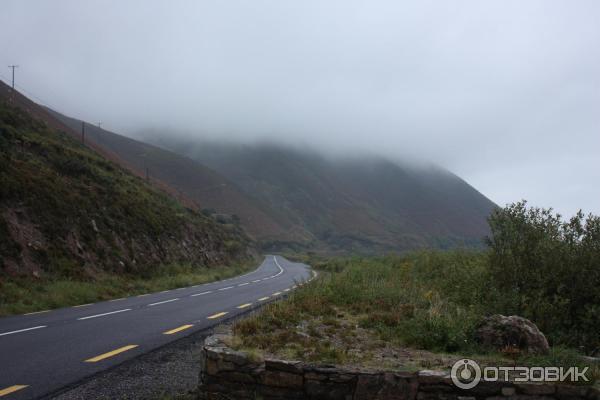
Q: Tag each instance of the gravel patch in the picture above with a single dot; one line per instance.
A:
(170, 372)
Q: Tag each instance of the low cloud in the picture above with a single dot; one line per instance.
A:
(503, 93)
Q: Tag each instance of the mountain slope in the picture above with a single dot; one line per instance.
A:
(67, 211)
(185, 177)
(361, 204)
(297, 199)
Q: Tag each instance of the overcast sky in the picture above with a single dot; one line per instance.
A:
(504, 93)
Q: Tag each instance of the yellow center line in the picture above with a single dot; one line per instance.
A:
(12, 389)
(245, 305)
(217, 315)
(181, 328)
(111, 353)
(83, 305)
(276, 293)
(263, 298)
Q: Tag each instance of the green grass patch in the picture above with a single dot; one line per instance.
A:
(19, 296)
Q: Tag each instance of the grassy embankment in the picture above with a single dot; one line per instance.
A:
(20, 296)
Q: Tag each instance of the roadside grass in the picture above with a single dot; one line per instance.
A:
(19, 296)
(403, 312)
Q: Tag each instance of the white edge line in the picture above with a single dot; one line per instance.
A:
(200, 294)
(280, 269)
(101, 315)
(162, 302)
(23, 330)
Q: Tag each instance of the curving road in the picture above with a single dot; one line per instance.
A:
(41, 353)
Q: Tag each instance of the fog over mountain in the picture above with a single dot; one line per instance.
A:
(505, 94)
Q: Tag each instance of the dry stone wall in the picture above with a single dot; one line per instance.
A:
(229, 374)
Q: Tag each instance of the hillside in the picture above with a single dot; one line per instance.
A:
(295, 199)
(66, 211)
(184, 177)
(357, 204)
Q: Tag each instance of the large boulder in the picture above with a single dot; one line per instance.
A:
(499, 332)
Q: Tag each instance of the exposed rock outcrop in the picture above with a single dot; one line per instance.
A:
(500, 331)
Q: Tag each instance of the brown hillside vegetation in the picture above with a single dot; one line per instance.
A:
(186, 178)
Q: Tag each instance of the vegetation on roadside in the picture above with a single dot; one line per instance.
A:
(362, 308)
(23, 295)
(76, 228)
(65, 210)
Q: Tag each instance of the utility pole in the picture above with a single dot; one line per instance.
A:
(100, 125)
(83, 132)
(147, 174)
(13, 74)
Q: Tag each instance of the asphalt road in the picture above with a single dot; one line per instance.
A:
(40, 353)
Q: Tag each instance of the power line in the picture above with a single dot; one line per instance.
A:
(39, 100)
(29, 94)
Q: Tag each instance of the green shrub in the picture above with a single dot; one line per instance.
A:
(548, 270)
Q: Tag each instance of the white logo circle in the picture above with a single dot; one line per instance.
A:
(465, 373)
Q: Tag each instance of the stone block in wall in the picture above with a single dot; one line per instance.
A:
(441, 388)
(568, 392)
(436, 396)
(520, 397)
(216, 340)
(434, 377)
(278, 393)
(282, 379)
(485, 389)
(593, 394)
(327, 390)
(508, 391)
(240, 377)
(228, 355)
(535, 388)
(315, 376)
(388, 386)
(232, 389)
(294, 367)
(342, 377)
